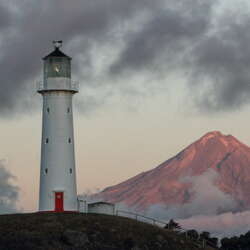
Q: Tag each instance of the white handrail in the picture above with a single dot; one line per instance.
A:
(138, 216)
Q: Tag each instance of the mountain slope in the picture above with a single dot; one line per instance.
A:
(164, 185)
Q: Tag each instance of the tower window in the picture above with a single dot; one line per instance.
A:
(47, 140)
(48, 110)
(70, 170)
(46, 170)
(68, 110)
(69, 140)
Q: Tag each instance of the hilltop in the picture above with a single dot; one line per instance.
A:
(85, 231)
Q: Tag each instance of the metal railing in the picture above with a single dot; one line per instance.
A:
(71, 86)
(200, 242)
(141, 218)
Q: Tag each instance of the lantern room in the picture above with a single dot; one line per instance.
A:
(57, 64)
(57, 72)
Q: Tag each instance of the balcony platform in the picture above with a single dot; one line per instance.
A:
(57, 84)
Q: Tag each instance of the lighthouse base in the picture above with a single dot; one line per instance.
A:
(58, 202)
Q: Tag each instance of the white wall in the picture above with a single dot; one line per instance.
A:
(57, 157)
(101, 208)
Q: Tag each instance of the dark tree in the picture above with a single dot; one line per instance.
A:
(213, 242)
(231, 244)
(172, 225)
(205, 235)
(193, 234)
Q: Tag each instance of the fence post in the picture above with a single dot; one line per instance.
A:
(78, 205)
(204, 243)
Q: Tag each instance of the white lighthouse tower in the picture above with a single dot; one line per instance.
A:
(58, 175)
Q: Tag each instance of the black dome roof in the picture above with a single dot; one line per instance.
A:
(56, 53)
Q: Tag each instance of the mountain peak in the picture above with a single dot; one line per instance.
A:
(217, 136)
(209, 136)
(214, 134)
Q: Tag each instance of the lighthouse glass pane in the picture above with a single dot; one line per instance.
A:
(57, 67)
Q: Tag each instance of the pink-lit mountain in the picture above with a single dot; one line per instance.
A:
(163, 185)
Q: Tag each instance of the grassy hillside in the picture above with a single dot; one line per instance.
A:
(79, 231)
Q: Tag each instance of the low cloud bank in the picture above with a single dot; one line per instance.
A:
(223, 225)
(208, 200)
(210, 209)
(9, 193)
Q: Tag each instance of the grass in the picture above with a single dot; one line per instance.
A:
(72, 231)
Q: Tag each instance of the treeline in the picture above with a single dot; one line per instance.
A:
(203, 239)
(235, 243)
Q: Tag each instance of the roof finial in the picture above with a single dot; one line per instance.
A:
(57, 44)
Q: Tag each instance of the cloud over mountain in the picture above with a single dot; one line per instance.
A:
(208, 199)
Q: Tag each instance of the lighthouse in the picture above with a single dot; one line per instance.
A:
(57, 171)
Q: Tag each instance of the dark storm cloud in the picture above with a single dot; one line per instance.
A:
(215, 56)
(221, 61)
(8, 192)
(161, 36)
(165, 37)
(4, 16)
(34, 25)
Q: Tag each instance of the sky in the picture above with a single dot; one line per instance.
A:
(154, 76)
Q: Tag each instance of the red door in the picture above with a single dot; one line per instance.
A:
(59, 202)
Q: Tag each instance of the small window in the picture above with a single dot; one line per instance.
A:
(48, 110)
(69, 140)
(68, 110)
(70, 170)
(46, 170)
(47, 140)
